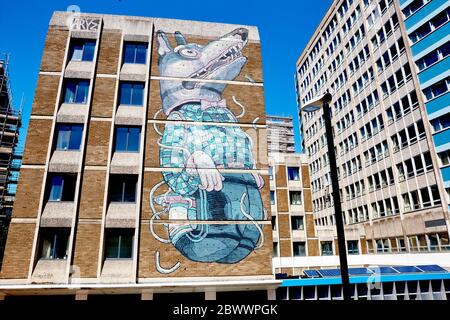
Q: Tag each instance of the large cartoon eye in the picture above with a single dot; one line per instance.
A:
(188, 53)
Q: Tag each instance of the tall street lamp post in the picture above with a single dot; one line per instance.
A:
(315, 105)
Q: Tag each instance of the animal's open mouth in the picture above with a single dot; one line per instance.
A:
(228, 56)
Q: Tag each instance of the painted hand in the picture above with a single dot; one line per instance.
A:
(259, 180)
(203, 165)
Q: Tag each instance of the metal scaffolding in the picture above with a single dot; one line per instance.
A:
(10, 153)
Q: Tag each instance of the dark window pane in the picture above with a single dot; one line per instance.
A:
(293, 174)
(299, 249)
(297, 223)
(130, 190)
(122, 188)
(82, 50)
(440, 19)
(56, 184)
(130, 50)
(125, 93)
(137, 98)
(295, 197)
(135, 53)
(133, 139)
(82, 92)
(77, 52)
(69, 96)
(68, 192)
(121, 139)
(75, 137)
(116, 190)
(126, 245)
(63, 140)
(88, 51)
(141, 53)
(60, 249)
(112, 247)
(272, 197)
(53, 243)
(119, 243)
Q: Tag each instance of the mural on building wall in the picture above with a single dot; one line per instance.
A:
(197, 190)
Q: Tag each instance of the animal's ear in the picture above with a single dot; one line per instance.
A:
(179, 38)
(164, 46)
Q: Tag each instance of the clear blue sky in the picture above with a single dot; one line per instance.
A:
(285, 27)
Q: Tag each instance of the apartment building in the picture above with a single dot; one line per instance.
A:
(393, 195)
(10, 153)
(280, 134)
(290, 197)
(145, 168)
(428, 30)
(292, 218)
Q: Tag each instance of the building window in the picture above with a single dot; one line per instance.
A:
(127, 139)
(275, 249)
(441, 123)
(297, 223)
(419, 199)
(437, 89)
(295, 197)
(413, 7)
(76, 91)
(402, 107)
(272, 197)
(353, 247)
(299, 249)
(274, 223)
(271, 173)
(326, 248)
(434, 242)
(293, 173)
(397, 80)
(135, 52)
(131, 93)
(429, 26)
(122, 188)
(69, 136)
(61, 187)
(383, 245)
(119, 243)
(54, 243)
(82, 50)
(433, 57)
(408, 136)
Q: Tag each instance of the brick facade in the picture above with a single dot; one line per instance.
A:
(108, 56)
(87, 242)
(91, 199)
(54, 49)
(45, 96)
(98, 143)
(103, 97)
(38, 138)
(16, 261)
(28, 194)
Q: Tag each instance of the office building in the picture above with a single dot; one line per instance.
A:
(280, 135)
(394, 198)
(428, 30)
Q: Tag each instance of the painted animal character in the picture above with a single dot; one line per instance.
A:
(196, 152)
